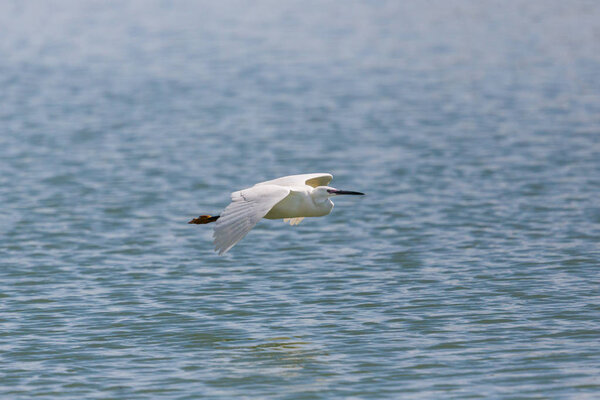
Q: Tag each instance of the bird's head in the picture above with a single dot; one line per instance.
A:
(322, 193)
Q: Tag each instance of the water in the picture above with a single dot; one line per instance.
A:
(469, 271)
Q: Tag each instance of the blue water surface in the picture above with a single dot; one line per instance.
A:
(470, 269)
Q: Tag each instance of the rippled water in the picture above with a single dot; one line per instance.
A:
(470, 269)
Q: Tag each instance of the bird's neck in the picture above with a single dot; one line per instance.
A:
(319, 198)
(324, 204)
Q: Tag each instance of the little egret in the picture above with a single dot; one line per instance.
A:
(291, 198)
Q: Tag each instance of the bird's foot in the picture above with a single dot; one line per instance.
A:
(204, 219)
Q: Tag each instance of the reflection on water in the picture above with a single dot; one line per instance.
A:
(284, 352)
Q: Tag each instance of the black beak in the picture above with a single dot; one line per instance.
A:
(347, 192)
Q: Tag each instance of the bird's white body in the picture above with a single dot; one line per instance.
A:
(299, 204)
(291, 198)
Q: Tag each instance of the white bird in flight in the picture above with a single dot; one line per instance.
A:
(291, 198)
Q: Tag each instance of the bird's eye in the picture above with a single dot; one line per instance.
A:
(330, 191)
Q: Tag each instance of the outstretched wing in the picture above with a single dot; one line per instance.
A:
(247, 207)
(313, 180)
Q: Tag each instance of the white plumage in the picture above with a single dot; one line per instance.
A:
(291, 198)
(246, 209)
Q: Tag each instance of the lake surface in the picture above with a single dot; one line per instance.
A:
(470, 269)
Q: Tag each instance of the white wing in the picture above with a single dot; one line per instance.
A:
(313, 180)
(247, 207)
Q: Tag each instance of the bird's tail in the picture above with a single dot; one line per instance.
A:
(204, 219)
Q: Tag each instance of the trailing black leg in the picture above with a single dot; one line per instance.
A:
(204, 219)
